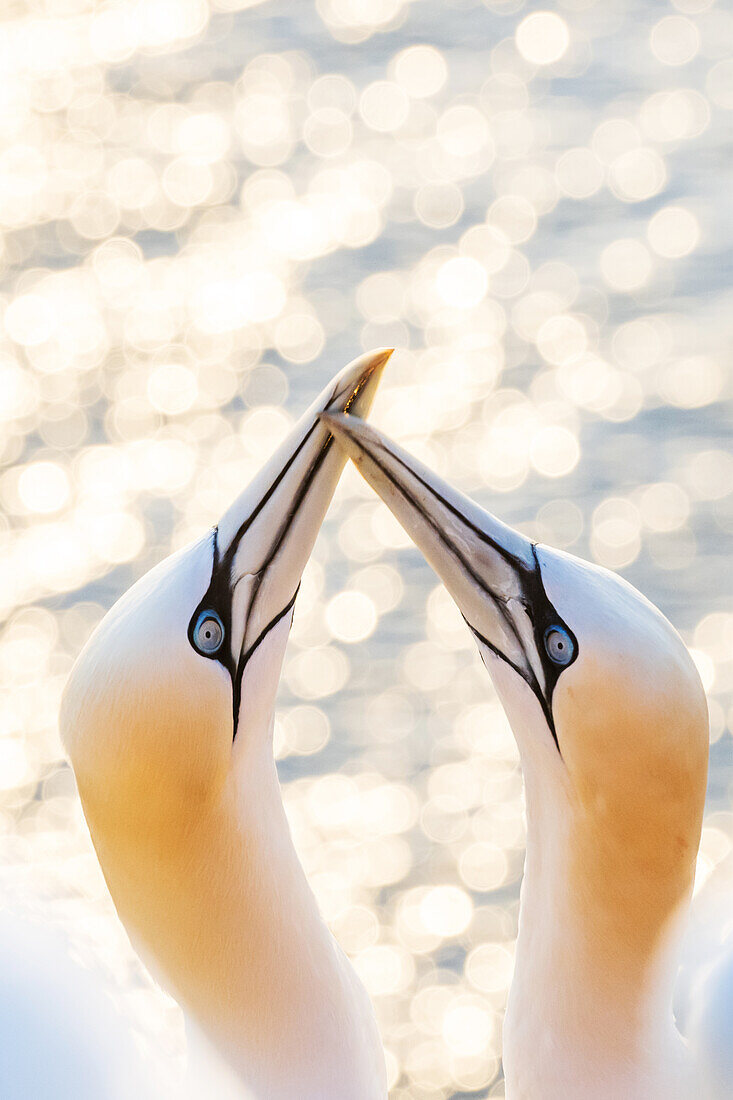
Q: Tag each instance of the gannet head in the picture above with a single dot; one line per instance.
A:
(181, 674)
(603, 697)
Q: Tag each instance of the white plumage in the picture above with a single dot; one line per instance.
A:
(611, 722)
(168, 719)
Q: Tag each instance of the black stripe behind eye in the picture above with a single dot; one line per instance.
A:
(220, 592)
(532, 595)
(527, 675)
(244, 661)
(267, 563)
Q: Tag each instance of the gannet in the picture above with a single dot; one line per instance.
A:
(60, 1036)
(167, 718)
(611, 722)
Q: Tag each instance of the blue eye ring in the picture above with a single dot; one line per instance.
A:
(559, 645)
(208, 633)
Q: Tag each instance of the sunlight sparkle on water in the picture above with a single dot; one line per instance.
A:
(207, 208)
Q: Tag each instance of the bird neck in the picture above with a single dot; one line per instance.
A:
(590, 1008)
(223, 908)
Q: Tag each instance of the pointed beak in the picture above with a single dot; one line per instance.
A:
(263, 541)
(490, 570)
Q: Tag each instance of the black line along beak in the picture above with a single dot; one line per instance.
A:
(263, 541)
(491, 571)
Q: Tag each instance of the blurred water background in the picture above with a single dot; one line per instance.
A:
(207, 208)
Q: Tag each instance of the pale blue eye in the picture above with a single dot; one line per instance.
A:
(208, 634)
(559, 645)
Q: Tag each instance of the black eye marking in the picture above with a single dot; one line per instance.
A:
(241, 666)
(557, 646)
(217, 601)
(207, 631)
(212, 612)
(533, 598)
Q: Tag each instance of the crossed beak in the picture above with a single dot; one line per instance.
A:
(491, 571)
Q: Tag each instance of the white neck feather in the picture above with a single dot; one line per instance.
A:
(304, 1015)
(589, 1013)
(227, 914)
(207, 881)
